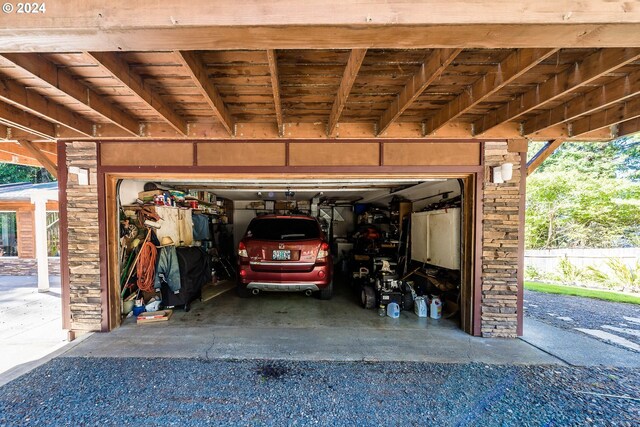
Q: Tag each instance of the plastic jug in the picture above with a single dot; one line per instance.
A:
(435, 309)
(393, 310)
(420, 307)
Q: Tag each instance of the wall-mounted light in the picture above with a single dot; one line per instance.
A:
(502, 173)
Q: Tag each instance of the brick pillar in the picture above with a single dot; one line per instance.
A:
(84, 254)
(500, 242)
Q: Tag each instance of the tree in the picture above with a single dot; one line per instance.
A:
(10, 173)
(585, 196)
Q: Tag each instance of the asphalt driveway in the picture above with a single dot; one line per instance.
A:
(616, 324)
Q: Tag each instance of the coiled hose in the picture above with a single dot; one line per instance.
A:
(147, 266)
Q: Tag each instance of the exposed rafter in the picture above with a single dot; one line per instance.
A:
(348, 78)
(512, 67)
(40, 157)
(591, 68)
(542, 155)
(198, 72)
(275, 86)
(119, 69)
(429, 71)
(50, 74)
(34, 103)
(604, 96)
(605, 118)
(17, 118)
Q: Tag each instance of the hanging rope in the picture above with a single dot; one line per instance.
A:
(147, 266)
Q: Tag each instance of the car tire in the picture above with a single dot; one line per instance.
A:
(368, 297)
(327, 292)
(242, 291)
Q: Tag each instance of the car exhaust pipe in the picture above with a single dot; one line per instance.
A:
(308, 292)
(255, 291)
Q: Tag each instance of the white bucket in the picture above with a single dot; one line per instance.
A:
(393, 310)
(435, 308)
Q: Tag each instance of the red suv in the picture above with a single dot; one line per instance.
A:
(284, 253)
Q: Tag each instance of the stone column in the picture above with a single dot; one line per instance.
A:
(85, 293)
(500, 240)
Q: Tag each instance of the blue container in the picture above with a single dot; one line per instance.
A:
(138, 310)
(393, 310)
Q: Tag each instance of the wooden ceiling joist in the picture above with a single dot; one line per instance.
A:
(17, 118)
(18, 160)
(275, 87)
(348, 78)
(608, 117)
(120, 70)
(548, 149)
(514, 66)
(429, 71)
(36, 104)
(603, 96)
(41, 157)
(628, 127)
(593, 67)
(198, 72)
(48, 73)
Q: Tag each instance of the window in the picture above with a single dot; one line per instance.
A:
(53, 234)
(283, 229)
(8, 234)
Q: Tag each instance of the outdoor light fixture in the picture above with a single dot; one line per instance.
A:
(502, 173)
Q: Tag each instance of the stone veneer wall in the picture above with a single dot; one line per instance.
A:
(500, 241)
(13, 266)
(83, 239)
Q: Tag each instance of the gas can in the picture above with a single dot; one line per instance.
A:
(435, 308)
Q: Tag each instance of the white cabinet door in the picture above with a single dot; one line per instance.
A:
(435, 237)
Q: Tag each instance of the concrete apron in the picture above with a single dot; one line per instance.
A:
(295, 327)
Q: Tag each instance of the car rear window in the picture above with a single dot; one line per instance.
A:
(283, 229)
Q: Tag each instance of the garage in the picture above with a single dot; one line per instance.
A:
(368, 99)
(415, 224)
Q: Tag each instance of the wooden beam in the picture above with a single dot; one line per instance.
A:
(512, 67)
(47, 72)
(198, 72)
(429, 71)
(604, 96)
(348, 78)
(120, 70)
(275, 86)
(628, 127)
(193, 24)
(41, 157)
(18, 160)
(36, 104)
(602, 119)
(596, 65)
(14, 117)
(542, 155)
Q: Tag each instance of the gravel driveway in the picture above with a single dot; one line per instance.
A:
(614, 323)
(93, 391)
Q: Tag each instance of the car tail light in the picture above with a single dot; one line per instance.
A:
(243, 273)
(324, 250)
(242, 251)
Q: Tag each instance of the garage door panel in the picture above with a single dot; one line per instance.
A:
(241, 154)
(334, 154)
(432, 154)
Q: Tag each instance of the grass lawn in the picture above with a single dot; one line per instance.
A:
(550, 288)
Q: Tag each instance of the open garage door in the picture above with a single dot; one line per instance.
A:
(393, 242)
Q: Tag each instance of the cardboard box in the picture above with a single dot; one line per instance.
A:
(256, 205)
(283, 205)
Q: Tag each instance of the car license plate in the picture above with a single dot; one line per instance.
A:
(281, 255)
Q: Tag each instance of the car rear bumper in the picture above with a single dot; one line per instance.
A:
(283, 287)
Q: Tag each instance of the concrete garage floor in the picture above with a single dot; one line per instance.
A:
(295, 327)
